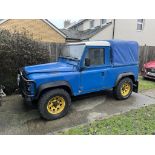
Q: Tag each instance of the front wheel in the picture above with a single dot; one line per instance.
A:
(124, 88)
(54, 104)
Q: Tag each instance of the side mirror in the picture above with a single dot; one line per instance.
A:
(87, 62)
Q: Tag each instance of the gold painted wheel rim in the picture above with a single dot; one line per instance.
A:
(125, 89)
(56, 105)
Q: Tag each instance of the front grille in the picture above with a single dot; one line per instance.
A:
(25, 84)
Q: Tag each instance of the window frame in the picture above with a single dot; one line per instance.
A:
(93, 66)
(92, 25)
(104, 22)
(140, 22)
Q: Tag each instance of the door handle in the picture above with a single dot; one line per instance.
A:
(102, 73)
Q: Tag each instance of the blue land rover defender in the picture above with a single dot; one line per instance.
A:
(81, 68)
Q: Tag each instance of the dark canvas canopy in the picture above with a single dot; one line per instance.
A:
(124, 52)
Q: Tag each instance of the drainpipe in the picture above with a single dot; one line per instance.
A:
(113, 33)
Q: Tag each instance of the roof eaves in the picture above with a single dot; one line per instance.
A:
(47, 22)
(79, 22)
(71, 33)
(54, 27)
(4, 20)
(83, 35)
(104, 27)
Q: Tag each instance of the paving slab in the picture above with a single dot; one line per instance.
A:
(149, 93)
(16, 118)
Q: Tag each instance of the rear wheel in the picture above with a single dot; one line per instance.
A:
(124, 88)
(54, 104)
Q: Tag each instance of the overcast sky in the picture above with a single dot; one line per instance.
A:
(60, 22)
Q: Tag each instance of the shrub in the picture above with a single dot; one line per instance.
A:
(18, 50)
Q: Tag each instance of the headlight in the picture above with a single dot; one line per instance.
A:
(30, 88)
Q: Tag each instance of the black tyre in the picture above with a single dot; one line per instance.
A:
(123, 89)
(54, 104)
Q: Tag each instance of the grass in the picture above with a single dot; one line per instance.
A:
(141, 121)
(146, 84)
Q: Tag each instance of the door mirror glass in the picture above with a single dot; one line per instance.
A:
(87, 62)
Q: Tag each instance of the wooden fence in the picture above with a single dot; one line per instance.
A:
(54, 50)
(146, 53)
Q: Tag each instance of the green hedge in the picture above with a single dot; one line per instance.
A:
(18, 50)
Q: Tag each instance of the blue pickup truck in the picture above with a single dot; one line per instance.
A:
(81, 68)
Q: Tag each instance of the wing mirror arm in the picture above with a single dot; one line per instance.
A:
(87, 62)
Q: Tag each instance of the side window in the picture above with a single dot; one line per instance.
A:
(140, 24)
(103, 21)
(91, 23)
(96, 56)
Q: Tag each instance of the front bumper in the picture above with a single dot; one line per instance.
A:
(149, 77)
(146, 75)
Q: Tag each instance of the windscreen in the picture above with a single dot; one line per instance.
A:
(72, 51)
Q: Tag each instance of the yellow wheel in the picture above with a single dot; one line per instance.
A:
(54, 104)
(123, 89)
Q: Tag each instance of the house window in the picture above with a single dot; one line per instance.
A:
(91, 23)
(140, 24)
(96, 56)
(103, 21)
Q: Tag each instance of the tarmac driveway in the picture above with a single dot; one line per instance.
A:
(16, 118)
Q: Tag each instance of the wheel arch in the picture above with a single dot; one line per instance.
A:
(123, 75)
(54, 85)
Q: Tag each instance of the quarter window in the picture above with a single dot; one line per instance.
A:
(96, 56)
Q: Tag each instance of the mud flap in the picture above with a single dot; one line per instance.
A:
(135, 86)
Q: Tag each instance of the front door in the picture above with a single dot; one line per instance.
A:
(93, 76)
